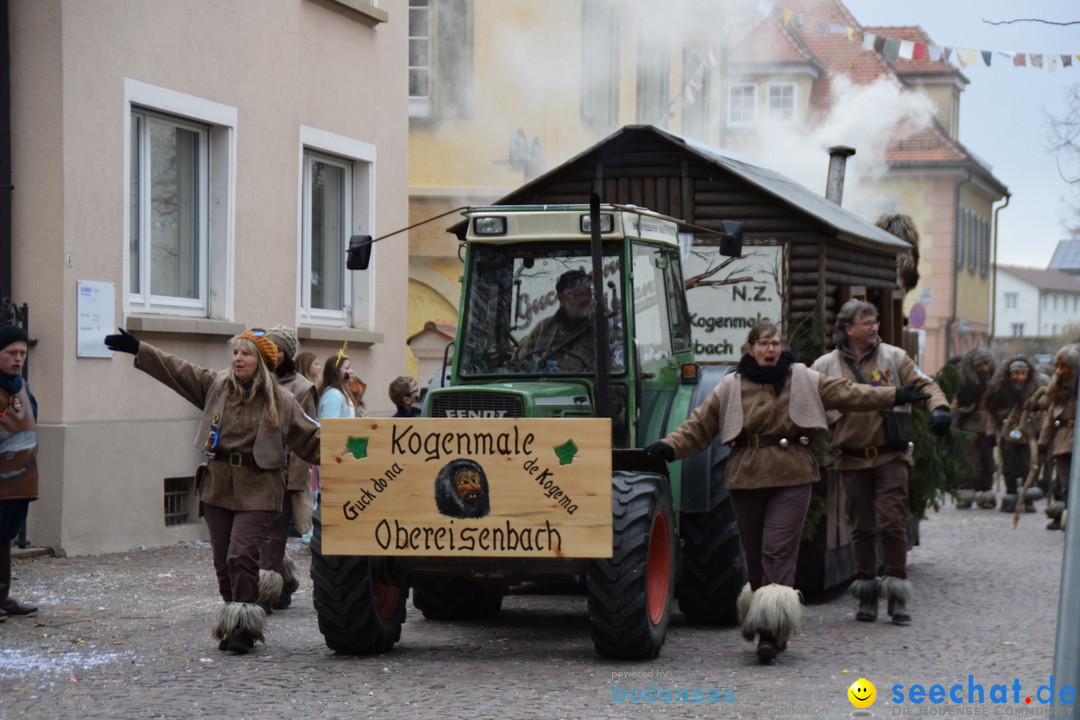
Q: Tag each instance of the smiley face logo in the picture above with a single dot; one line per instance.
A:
(862, 693)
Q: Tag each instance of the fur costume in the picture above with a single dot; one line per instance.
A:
(773, 609)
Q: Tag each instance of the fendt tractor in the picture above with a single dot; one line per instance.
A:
(672, 529)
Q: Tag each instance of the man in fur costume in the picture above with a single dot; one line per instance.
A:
(874, 470)
(1056, 436)
(1012, 422)
(969, 414)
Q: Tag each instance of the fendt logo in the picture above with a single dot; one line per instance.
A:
(475, 413)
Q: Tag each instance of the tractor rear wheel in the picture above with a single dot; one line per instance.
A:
(713, 571)
(443, 597)
(358, 613)
(630, 594)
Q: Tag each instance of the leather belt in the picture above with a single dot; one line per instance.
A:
(235, 459)
(754, 441)
(869, 453)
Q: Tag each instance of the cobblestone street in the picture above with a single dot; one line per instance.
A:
(128, 636)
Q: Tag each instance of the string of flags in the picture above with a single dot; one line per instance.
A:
(891, 49)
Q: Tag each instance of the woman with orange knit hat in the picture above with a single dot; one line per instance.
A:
(249, 425)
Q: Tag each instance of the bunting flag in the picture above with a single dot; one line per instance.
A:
(893, 49)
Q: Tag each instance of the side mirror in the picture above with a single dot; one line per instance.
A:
(358, 256)
(731, 242)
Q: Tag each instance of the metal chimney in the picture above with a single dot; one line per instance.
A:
(834, 186)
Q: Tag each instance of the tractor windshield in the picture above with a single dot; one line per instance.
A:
(529, 310)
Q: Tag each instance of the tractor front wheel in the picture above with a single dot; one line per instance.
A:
(630, 594)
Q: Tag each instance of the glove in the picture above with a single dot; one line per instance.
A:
(124, 342)
(940, 422)
(991, 440)
(908, 394)
(661, 451)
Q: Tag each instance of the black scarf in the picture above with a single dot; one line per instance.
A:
(774, 375)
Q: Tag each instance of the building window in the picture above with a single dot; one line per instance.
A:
(440, 58)
(327, 219)
(780, 103)
(653, 92)
(1011, 300)
(984, 265)
(179, 224)
(419, 58)
(336, 203)
(961, 236)
(973, 241)
(600, 64)
(742, 104)
(695, 113)
(1018, 329)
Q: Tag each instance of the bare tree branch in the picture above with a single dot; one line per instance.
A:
(1037, 20)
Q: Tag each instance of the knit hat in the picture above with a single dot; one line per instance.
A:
(12, 334)
(264, 345)
(285, 338)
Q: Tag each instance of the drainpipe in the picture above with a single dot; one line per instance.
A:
(5, 154)
(993, 272)
(834, 185)
(955, 267)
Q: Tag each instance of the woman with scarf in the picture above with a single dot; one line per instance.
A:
(769, 410)
(249, 426)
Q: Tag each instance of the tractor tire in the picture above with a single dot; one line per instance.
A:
(630, 594)
(442, 597)
(358, 614)
(713, 570)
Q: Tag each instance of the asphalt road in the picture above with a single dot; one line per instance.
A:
(128, 636)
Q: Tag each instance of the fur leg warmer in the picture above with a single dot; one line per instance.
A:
(775, 610)
(270, 585)
(240, 619)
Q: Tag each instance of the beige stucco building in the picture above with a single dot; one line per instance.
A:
(188, 169)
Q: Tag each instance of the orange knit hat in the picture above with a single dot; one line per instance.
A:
(264, 345)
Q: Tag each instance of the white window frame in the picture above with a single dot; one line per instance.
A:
(770, 111)
(753, 108)
(1018, 329)
(217, 209)
(1012, 300)
(359, 286)
(420, 105)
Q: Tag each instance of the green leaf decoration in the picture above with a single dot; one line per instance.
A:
(356, 446)
(566, 452)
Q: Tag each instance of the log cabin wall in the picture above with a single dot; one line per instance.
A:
(643, 167)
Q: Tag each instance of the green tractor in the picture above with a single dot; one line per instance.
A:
(522, 351)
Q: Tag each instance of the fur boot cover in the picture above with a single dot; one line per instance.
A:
(864, 589)
(288, 570)
(774, 610)
(742, 605)
(895, 588)
(270, 585)
(240, 618)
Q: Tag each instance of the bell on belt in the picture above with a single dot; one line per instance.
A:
(1015, 434)
(911, 447)
(783, 442)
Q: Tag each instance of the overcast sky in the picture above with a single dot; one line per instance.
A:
(1002, 111)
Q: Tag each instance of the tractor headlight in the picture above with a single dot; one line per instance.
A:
(489, 225)
(607, 223)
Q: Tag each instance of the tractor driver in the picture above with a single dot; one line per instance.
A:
(563, 342)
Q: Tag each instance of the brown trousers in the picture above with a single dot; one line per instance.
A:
(272, 551)
(1062, 467)
(235, 537)
(877, 501)
(981, 454)
(770, 524)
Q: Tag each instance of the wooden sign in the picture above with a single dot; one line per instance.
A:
(518, 487)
